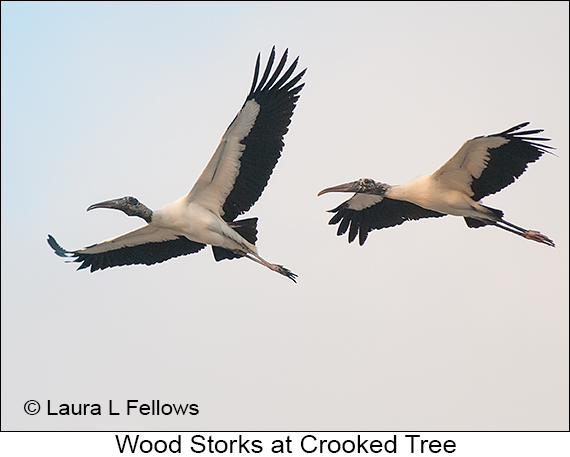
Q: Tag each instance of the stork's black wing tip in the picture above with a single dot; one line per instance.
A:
(57, 248)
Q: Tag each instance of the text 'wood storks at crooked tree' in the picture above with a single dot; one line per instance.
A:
(230, 184)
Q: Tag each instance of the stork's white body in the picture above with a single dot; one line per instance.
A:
(199, 223)
(435, 193)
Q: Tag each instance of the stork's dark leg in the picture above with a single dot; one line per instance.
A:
(251, 253)
(528, 234)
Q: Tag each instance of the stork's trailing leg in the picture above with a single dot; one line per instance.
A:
(272, 266)
(528, 234)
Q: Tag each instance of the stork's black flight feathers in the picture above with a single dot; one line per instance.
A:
(264, 143)
(509, 161)
(147, 254)
(385, 213)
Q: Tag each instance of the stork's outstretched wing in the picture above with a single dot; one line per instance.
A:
(486, 164)
(241, 166)
(364, 213)
(146, 245)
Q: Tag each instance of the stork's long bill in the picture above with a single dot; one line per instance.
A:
(231, 183)
(348, 187)
(365, 185)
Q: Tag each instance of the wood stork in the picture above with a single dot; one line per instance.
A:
(482, 166)
(230, 184)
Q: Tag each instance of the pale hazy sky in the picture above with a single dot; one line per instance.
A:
(429, 326)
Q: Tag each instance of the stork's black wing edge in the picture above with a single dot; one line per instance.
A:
(384, 214)
(57, 248)
(143, 254)
(277, 96)
(509, 161)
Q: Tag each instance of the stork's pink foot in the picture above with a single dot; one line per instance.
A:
(539, 237)
(284, 271)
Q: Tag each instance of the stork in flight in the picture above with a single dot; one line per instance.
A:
(230, 184)
(482, 166)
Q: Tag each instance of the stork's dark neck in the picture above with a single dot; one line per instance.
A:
(128, 205)
(369, 186)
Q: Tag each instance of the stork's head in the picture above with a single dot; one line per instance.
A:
(128, 205)
(362, 186)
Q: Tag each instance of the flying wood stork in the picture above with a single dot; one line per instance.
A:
(482, 166)
(230, 184)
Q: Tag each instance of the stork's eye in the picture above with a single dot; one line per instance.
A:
(132, 201)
